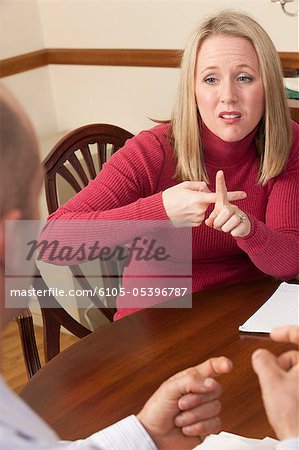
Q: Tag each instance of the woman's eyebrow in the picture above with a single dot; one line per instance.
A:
(245, 66)
(209, 68)
(238, 66)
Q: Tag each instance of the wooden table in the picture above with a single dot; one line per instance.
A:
(112, 372)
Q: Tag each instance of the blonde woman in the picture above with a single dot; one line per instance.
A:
(230, 139)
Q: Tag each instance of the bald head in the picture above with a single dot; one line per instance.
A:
(19, 157)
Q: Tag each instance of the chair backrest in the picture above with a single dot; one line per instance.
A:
(295, 113)
(76, 158)
(73, 157)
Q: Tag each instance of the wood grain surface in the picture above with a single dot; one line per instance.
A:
(112, 372)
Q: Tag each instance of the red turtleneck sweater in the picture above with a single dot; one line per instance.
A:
(130, 185)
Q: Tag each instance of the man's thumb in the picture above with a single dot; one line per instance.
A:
(265, 366)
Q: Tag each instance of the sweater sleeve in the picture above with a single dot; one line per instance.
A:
(126, 189)
(273, 246)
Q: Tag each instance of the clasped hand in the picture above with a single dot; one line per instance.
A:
(186, 204)
(185, 408)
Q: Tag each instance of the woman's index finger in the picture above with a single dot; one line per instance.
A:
(221, 191)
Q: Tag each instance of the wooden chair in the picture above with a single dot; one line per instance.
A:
(66, 159)
(295, 113)
(72, 159)
(28, 342)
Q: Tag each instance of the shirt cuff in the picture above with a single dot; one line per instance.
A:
(125, 434)
(288, 444)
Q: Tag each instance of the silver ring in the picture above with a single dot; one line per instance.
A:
(242, 217)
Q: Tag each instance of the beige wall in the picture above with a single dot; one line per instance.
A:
(21, 32)
(151, 23)
(20, 27)
(128, 96)
(64, 97)
(35, 92)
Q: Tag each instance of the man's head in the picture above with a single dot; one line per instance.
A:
(21, 175)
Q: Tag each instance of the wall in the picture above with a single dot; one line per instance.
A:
(34, 91)
(151, 23)
(70, 96)
(21, 32)
(128, 96)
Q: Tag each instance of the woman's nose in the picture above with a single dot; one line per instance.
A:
(228, 93)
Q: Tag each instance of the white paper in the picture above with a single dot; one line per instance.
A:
(266, 444)
(280, 309)
(215, 442)
(228, 441)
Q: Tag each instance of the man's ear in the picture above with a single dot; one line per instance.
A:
(14, 214)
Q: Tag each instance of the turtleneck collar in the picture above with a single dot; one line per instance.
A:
(224, 154)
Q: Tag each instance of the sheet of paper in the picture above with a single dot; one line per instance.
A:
(222, 443)
(228, 441)
(266, 444)
(237, 436)
(280, 309)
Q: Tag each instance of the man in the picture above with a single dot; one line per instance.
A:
(279, 380)
(184, 407)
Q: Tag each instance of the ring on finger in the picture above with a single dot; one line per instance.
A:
(242, 217)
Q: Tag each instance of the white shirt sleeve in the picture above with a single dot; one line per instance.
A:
(22, 429)
(288, 444)
(127, 434)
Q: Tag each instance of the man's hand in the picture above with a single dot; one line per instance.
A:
(279, 381)
(186, 406)
(225, 216)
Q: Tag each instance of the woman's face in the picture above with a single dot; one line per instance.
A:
(228, 87)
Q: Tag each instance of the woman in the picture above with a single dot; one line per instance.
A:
(230, 125)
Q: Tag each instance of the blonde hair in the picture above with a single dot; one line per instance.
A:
(274, 135)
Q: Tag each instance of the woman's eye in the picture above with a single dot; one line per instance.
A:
(245, 78)
(210, 80)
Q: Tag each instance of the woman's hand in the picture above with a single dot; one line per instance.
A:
(226, 217)
(186, 203)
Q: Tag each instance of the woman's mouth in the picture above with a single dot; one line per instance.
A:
(230, 117)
